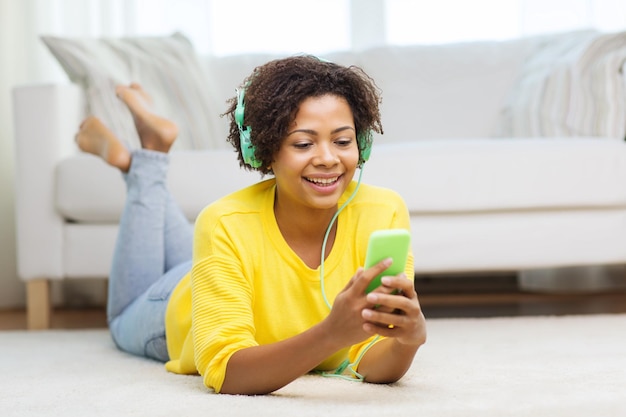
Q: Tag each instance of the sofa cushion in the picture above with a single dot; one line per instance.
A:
(490, 175)
(443, 91)
(428, 92)
(88, 190)
(438, 176)
(168, 69)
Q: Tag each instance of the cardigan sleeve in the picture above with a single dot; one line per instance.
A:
(222, 298)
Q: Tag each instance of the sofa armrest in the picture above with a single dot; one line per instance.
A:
(46, 118)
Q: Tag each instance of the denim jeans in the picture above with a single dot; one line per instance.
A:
(152, 254)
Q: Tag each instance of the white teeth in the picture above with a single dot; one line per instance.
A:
(323, 181)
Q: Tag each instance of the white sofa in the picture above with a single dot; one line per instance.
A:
(485, 191)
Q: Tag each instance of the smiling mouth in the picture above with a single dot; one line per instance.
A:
(322, 182)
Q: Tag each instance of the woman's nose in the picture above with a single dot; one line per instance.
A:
(326, 155)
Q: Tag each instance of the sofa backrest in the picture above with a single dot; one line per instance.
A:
(444, 91)
(435, 91)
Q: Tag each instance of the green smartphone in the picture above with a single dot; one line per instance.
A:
(387, 243)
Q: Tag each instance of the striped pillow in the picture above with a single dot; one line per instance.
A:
(166, 67)
(571, 86)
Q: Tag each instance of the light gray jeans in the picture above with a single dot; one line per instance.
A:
(152, 254)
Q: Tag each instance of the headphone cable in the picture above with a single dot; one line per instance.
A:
(332, 221)
(345, 364)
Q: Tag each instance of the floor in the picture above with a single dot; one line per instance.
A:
(463, 297)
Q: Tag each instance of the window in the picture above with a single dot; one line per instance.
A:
(280, 26)
(226, 27)
(444, 21)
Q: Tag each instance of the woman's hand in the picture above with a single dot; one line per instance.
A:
(346, 321)
(391, 310)
(394, 311)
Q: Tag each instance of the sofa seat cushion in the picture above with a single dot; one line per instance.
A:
(487, 175)
(89, 191)
(437, 176)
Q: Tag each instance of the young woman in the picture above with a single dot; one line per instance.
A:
(275, 287)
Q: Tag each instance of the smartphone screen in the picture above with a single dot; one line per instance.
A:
(387, 243)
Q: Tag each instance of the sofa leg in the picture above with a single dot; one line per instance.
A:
(38, 305)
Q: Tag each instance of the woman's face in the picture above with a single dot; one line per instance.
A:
(318, 157)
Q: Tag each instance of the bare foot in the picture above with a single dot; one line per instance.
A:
(155, 132)
(95, 138)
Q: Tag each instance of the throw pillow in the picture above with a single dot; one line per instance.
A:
(571, 85)
(166, 67)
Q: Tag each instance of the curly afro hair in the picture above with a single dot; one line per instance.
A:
(275, 90)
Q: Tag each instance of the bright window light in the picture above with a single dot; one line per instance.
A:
(541, 16)
(229, 27)
(446, 21)
(279, 26)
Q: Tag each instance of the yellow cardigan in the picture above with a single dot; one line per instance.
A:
(247, 287)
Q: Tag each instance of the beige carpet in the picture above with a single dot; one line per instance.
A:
(530, 366)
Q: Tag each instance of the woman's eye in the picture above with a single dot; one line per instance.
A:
(343, 142)
(302, 145)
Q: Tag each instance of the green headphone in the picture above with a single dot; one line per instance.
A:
(248, 149)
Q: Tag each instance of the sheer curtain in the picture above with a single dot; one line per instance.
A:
(224, 27)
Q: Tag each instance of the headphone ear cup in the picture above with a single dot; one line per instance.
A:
(245, 144)
(365, 147)
(366, 152)
(247, 149)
